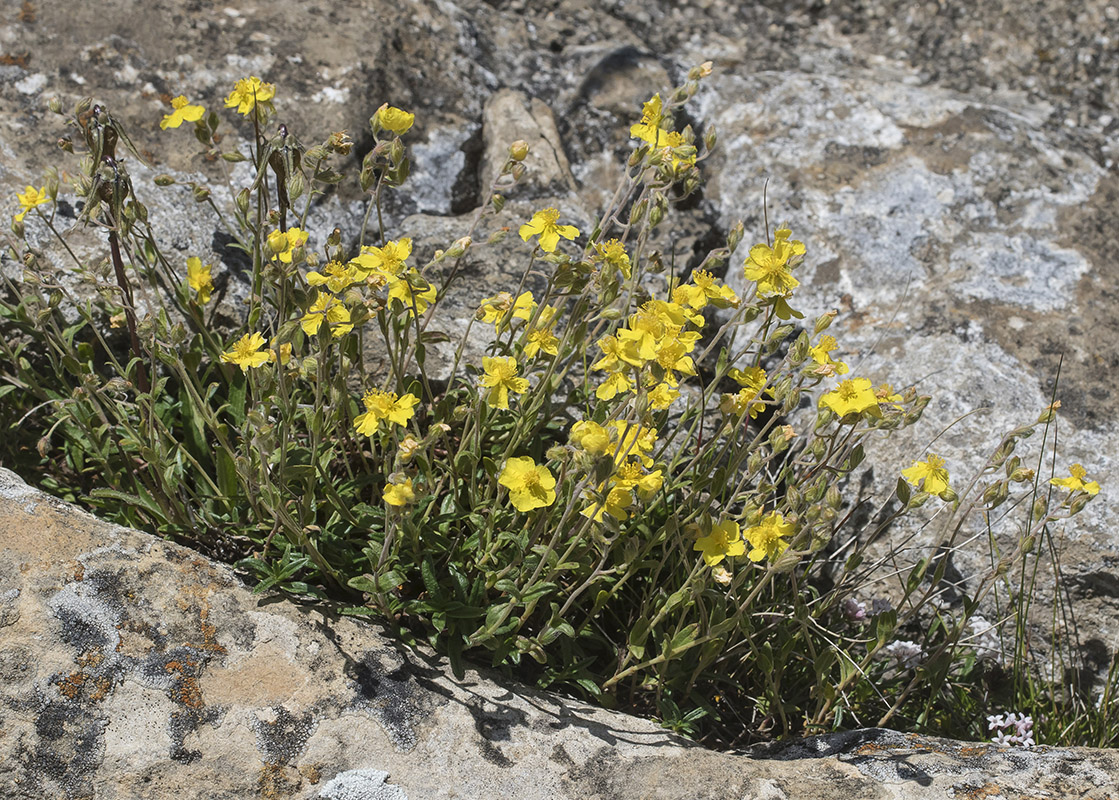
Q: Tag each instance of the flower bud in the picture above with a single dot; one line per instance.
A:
(996, 494)
(1022, 475)
(518, 151)
(1040, 508)
(201, 193)
(1077, 505)
(700, 71)
(164, 180)
(710, 138)
(296, 185)
(457, 249)
(735, 236)
(1050, 413)
(824, 321)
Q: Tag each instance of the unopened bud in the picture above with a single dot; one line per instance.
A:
(518, 151)
(1050, 412)
(1040, 508)
(459, 247)
(996, 494)
(710, 138)
(824, 321)
(164, 180)
(295, 185)
(700, 71)
(1022, 475)
(201, 193)
(735, 235)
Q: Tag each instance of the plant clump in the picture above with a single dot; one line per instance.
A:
(637, 493)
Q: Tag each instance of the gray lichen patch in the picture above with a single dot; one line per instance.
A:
(392, 696)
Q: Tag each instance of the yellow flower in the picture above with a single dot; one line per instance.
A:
(530, 486)
(766, 538)
(662, 396)
(381, 405)
(931, 471)
(719, 295)
(283, 244)
(614, 253)
(283, 355)
(184, 112)
(646, 328)
(198, 277)
(501, 309)
(30, 198)
(399, 494)
(501, 378)
(416, 300)
(631, 475)
(248, 92)
(541, 339)
(328, 309)
(394, 119)
(885, 394)
(851, 397)
(1075, 481)
(611, 354)
(613, 386)
(336, 276)
(408, 448)
(724, 540)
(752, 380)
(821, 354)
(632, 439)
(671, 358)
(649, 128)
(618, 499)
(543, 223)
(246, 354)
(590, 436)
(388, 261)
(770, 266)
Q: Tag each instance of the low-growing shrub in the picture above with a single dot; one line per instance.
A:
(636, 491)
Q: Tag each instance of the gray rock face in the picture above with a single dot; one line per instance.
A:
(951, 167)
(131, 667)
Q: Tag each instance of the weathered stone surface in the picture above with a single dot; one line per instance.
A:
(952, 168)
(131, 667)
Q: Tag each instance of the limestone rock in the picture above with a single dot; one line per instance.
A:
(131, 667)
(510, 116)
(952, 168)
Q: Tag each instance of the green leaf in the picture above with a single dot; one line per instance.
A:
(682, 639)
(431, 582)
(237, 392)
(363, 583)
(637, 636)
